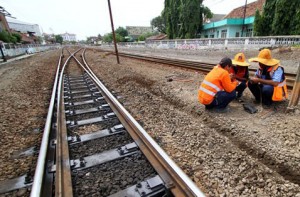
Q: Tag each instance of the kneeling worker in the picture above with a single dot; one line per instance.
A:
(241, 73)
(218, 87)
(269, 82)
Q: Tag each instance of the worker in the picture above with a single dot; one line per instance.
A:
(269, 83)
(218, 87)
(241, 73)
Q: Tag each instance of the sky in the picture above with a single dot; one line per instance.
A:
(91, 17)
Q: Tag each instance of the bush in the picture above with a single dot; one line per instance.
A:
(4, 36)
(10, 38)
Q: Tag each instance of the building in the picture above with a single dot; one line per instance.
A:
(234, 24)
(135, 31)
(68, 37)
(157, 37)
(24, 27)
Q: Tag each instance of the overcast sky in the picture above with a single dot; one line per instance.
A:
(91, 17)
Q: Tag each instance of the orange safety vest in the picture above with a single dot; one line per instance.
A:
(280, 91)
(216, 80)
(241, 72)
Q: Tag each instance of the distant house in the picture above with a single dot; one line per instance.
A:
(232, 24)
(28, 31)
(135, 31)
(24, 27)
(68, 37)
(157, 37)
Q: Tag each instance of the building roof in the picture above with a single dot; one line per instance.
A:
(68, 34)
(157, 37)
(250, 10)
(11, 20)
(138, 30)
(216, 17)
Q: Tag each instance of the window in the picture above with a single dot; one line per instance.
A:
(224, 33)
(212, 36)
(249, 32)
(237, 34)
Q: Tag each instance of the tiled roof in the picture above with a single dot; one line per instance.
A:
(250, 10)
(216, 17)
(157, 37)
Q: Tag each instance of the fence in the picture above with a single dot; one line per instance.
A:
(11, 50)
(206, 43)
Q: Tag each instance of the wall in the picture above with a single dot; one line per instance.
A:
(220, 43)
(11, 50)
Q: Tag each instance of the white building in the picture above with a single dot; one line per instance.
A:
(68, 37)
(23, 27)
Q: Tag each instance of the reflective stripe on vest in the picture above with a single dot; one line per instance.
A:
(282, 84)
(212, 85)
(207, 91)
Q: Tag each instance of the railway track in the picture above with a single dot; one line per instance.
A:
(93, 147)
(194, 65)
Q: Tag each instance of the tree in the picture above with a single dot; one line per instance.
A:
(258, 25)
(189, 19)
(108, 38)
(122, 31)
(279, 17)
(184, 19)
(10, 38)
(267, 17)
(59, 39)
(284, 19)
(206, 13)
(158, 23)
(17, 36)
(4, 36)
(297, 21)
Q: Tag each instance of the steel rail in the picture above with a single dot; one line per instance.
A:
(194, 65)
(63, 180)
(40, 168)
(176, 180)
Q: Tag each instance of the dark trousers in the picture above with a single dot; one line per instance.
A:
(240, 89)
(221, 100)
(262, 93)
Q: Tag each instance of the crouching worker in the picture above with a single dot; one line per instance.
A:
(218, 87)
(240, 72)
(269, 82)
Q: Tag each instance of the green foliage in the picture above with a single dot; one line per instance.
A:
(142, 38)
(108, 38)
(284, 20)
(258, 25)
(159, 24)
(122, 31)
(59, 39)
(10, 38)
(297, 21)
(13, 39)
(206, 12)
(184, 18)
(17, 36)
(4, 36)
(119, 38)
(279, 17)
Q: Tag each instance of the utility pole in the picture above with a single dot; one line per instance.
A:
(3, 56)
(113, 31)
(244, 18)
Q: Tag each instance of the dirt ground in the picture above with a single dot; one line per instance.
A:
(25, 91)
(232, 154)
